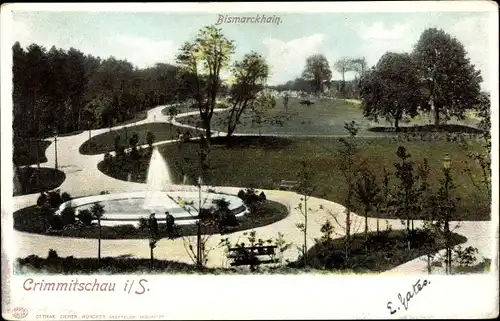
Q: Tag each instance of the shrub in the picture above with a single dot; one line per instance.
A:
(52, 254)
(54, 199)
(125, 230)
(262, 197)
(45, 210)
(42, 199)
(65, 197)
(56, 222)
(143, 223)
(68, 215)
(306, 102)
(250, 197)
(104, 192)
(85, 217)
(150, 138)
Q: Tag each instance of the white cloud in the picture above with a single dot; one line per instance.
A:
(143, 52)
(379, 31)
(379, 38)
(287, 58)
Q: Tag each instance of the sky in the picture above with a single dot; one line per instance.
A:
(144, 38)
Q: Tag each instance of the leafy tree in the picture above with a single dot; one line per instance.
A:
(389, 90)
(366, 190)
(204, 59)
(406, 193)
(317, 71)
(342, 66)
(358, 65)
(450, 83)
(98, 211)
(259, 108)
(347, 154)
(249, 75)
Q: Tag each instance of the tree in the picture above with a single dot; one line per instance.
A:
(98, 211)
(366, 190)
(450, 83)
(305, 188)
(317, 71)
(358, 65)
(249, 75)
(389, 90)
(347, 156)
(259, 108)
(342, 66)
(406, 194)
(204, 59)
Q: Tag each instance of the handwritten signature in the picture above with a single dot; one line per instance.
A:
(417, 287)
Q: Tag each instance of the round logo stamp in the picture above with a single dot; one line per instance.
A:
(20, 313)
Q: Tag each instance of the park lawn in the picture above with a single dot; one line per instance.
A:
(324, 117)
(382, 252)
(105, 142)
(276, 159)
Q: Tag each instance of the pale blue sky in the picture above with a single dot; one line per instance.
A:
(147, 38)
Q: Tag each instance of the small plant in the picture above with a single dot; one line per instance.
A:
(327, 231)
(65, 197)
(143, 223)
(68, 215)
(52, 255)
(465, 256)
(42, 199)
(85, 217)
(54, 199)
(150, 138)
(56, 222)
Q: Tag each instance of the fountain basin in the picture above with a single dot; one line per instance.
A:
(128, 208)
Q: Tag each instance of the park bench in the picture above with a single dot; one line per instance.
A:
(284, 184)
(252, 255)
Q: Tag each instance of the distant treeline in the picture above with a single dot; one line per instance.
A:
(67, 90)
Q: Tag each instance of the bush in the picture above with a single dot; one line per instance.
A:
(262, 197)
(65, 197)
(52, 254)
(56, 222)
(68, 215)
(42, 199)
(54, 199)
(104, 192)
(306, 102)
(85, 217)
(250, 197)
(143, 223)
(150, 138)
(124, 230)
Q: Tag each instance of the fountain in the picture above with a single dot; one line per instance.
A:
(157, 181)
(160, 196)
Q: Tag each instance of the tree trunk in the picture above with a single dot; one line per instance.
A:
(436, 116)
(396, 124)
(152, 258)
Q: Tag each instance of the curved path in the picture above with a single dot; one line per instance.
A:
(83, 178)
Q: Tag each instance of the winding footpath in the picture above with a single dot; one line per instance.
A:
(83, 178)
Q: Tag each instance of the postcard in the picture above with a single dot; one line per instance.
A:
(249, 160)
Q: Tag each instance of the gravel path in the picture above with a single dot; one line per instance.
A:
(83, 178)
